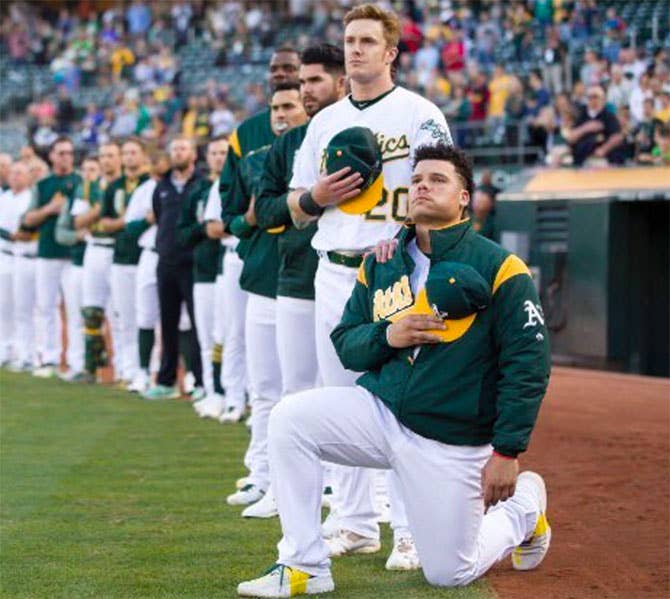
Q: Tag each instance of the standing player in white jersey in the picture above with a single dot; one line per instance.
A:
(139, 217)
(349, 225)
(96, 283)
(18, 250)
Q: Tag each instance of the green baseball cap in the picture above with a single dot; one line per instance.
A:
(357, 148)
(455, 292)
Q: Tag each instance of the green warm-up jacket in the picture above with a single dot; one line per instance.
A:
(485, 386)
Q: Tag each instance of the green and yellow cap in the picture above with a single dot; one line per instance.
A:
(357, 148)
(455, 292)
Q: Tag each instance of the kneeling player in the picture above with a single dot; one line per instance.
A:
(451, 339)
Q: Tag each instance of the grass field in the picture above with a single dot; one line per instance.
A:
(105, 495)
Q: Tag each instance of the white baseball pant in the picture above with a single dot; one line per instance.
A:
(72, 295)
(234, 308)
(354, 490)
(296, 348)
(123, 299)
(49, 279)
(147, 312)
(7, 326)
(24, 309)
(264, 382)
(203, 306)
(440, 483)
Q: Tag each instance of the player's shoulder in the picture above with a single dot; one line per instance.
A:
(500, 264)
(327, 114)
(415, 102)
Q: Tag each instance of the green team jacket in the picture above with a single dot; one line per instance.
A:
(484, 387)
(66, 234)
(257, 247)
(47, 246)
(191, 234)
(255, 132)
(297, 258)
(114, 204)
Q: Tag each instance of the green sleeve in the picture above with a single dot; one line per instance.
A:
(65, 232)
(226, 185)
(235, 204)
(524, 362)
(271, 207)
(189, 231)
(361, 343)
(135, 228)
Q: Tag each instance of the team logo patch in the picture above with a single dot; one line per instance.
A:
(535, 314)
(437, 131)
(392, 299)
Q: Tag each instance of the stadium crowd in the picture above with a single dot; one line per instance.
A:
(504, 73)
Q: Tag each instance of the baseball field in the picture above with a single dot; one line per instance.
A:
(104, 495)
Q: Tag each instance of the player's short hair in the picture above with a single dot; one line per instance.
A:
(328, 55)
(286, 49)
(388, 19)
(91, 158)
(61, 139)
(285, 86)
(458, 158)
(216, 138)
(182, 137)
(138, 141)
(110, 142)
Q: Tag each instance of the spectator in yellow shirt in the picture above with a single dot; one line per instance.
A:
(122, 56)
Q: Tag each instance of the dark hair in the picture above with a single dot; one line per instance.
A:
(286, 86)
(138, 141)
(61, 139)
(328, 55)
(457, 157)
(213, 140)
(286, 49)
(91, 158)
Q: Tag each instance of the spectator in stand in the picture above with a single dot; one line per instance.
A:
(181, 21)
(619, 88)
(453, 53)
(138, 18)
(660, 155)
(597, 133)
(645, 132)
(590, 70)
(458, 111)
(222, 119)
(121, 58)
(478, 94)
(189, 118)
(553, 61)
(65, 111)
(411, 36)
(628, 132)
(499, 90)
(426, 61)
(663, 110)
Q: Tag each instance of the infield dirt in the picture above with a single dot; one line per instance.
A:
(603, 445)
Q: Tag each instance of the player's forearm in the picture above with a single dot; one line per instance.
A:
(84, 221)
(299, 217)
(272, 211)
(34, 218)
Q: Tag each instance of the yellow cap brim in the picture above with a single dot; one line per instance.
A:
(277, 230)
(365, 201)
(455, 328)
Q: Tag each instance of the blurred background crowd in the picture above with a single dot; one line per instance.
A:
(557, 82)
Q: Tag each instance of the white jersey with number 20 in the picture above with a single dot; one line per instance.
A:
(401, 121)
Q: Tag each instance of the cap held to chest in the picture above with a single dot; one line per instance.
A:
(357, 148)
(454, 292)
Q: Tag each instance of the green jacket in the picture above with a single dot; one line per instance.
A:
(257, 247)
(255, 132)
(114, 204)
(484, 387)
(191, 234)
(47, 246)
(66, 234)
(297, 258)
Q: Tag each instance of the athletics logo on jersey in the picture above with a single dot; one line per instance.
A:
(437, 131)
(119, 201)
(535, 315)
(392, 299)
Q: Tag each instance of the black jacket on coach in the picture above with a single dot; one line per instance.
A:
(167, 205)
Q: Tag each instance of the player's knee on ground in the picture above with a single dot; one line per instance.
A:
(447, 573)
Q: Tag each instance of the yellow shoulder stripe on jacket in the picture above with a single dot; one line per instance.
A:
(360, 277)
(512, 266)
(235, 144)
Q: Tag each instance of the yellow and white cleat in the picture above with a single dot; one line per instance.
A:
(532, 551)
(282, 581)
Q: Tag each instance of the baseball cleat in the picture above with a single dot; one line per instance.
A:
(209, 407)
(241, 482)
(404, 555)
(140, 382)
(198, 393)
(231, 415)
(246, 495)
(160, 392)
(533, 550)
(326, 496)
(347, 542)
(282, 581)
(46, 371)
(266, 507)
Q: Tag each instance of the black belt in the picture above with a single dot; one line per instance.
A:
(29, 256)
(101, 244)
(8, 252)
(350, 260)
